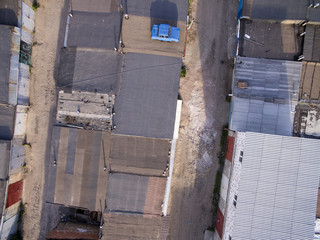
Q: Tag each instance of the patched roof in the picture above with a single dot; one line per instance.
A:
(139, 155)
(129, 193)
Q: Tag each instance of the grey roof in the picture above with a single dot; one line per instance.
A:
(4, 170)
(281, 10)
(272, 40)
(135, 194)
(9, 12)
(6, 121)
(311, 44)
(94, 30)
(268, 104)
(147, 102)
(95, 5)
(175, 10)
(278, 188)
(139, 155)
(78, 179)
(89, 70)
(5, 55)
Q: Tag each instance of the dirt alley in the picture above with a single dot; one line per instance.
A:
(209, 61)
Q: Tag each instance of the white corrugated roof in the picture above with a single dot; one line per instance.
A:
(278, 188)
(268, 104)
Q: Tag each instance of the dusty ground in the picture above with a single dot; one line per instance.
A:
(42, 103)
(209, 58)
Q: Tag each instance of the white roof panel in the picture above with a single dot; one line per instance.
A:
(278, 188)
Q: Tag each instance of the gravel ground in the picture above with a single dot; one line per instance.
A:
(36, 220)
(209, 61)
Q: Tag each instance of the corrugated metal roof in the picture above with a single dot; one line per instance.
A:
(268, 104)
(278, 188)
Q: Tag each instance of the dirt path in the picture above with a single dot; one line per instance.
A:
(42, 102)
(208, 60)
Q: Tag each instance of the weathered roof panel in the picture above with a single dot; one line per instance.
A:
(79, 178)
(267, 104)
(135, 194)
(90, 70)
(139, 155)
(146, 105)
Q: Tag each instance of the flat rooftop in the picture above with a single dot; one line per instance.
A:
(78, 179)
(94, 30)
(136, 34)
(267, 105)
(146, 105)
(272, 40)
(278, 188)
(281, 10)
(5, 56)
(89, 70)
(132, 226)
(129, 193)
(9, 12)
(92, 111)
(311, 46)
(139, 155)
(310, 82)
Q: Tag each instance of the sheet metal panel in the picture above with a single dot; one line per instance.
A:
(28, 16)
(284, 197)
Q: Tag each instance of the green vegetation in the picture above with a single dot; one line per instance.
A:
(35, 5)
(217, 185)
(183, 71)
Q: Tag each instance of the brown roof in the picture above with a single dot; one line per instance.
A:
(139, 155)
(310, 82)
(71, 230)
(131, 226)
(311, 46)
(135, 194)
(79, 179)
